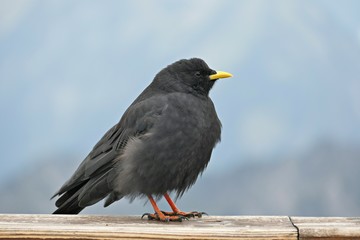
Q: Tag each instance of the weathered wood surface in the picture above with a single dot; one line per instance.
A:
(110, 227)
(13, 226)
(327, 228)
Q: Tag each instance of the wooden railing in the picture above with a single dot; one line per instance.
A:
(14, 226)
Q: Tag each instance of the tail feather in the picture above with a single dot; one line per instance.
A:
(68, 203)
(85, 194)
(70, 206)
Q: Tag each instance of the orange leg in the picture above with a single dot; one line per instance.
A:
(171, 203)
(178, 212)
(161, 216)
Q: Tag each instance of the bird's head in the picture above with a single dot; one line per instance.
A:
(189, 76)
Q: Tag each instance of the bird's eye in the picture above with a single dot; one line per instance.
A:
(198, 74)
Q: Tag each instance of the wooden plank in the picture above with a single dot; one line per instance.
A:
(329, 228)
(122, 227)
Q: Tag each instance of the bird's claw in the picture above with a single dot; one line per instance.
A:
(192, 214)
(164, 217)
(200, 214)
(180, 218)
(195, 214)
(150, 216)
(146, 214)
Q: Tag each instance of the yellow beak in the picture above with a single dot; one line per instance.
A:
(220, 74)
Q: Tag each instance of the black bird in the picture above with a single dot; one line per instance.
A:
(162, 143)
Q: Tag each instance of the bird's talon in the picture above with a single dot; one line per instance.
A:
(202, 213)
(197, 214)
(181, 218)
(151, 216)
(145, 214)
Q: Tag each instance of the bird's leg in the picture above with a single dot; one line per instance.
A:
(159, 215)
(177, 212)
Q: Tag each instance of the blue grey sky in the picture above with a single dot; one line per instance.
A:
(69, 69)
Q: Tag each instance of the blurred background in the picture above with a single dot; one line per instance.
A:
(291, 113)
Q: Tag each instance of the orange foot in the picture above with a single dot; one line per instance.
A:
(192, 214)
(165, 218)
(176, 215)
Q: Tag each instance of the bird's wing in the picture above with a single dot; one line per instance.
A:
(100, 155)
(93, 171)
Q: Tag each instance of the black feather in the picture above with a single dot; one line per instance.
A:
(162, 143)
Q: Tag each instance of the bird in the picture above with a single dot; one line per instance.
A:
(160, 146)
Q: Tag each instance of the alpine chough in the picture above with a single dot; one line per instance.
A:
(161, 144)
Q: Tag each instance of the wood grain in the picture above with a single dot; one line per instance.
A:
(334, 228)
(15, 226)
(125, 227)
